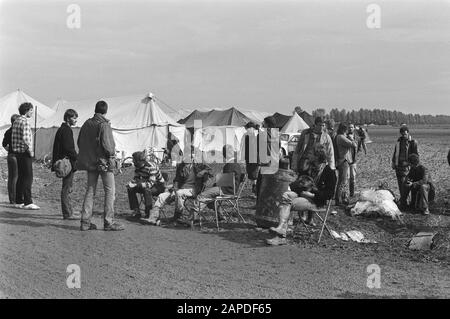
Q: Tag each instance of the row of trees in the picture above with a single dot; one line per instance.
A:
(378, 116)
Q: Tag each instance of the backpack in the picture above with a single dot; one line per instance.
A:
(62, 167)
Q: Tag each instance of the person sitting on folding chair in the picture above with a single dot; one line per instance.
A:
(208, 195)
(147, 180)
(188, 181)
(305, 194)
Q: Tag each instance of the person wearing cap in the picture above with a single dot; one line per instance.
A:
(404, 147)
(418, 182)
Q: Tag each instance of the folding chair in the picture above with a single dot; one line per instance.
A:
(323, 220)
(224, 180)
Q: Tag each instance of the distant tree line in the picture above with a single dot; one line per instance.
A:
(377, 116)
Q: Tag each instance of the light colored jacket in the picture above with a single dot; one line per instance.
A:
(325, 140)
(344, 147)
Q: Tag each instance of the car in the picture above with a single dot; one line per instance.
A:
(288, 143)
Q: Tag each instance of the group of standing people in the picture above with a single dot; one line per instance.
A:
(96, 156)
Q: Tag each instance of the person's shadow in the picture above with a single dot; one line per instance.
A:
(20, 218)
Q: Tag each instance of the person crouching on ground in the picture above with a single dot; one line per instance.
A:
(418, 183)
(147, 180)
(305, 194)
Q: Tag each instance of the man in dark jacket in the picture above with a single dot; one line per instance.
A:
(419, 183)
(404, 147)
(97, 157)
(64, 146)
(12, 163)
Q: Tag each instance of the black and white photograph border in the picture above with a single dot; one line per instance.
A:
(237, 152)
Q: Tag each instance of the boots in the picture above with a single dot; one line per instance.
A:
(285, 213)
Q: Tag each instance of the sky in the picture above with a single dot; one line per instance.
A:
(263, 55)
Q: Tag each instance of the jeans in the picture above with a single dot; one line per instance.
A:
(401, 173)
(12, 177)
(342, 195)
(179, 196)
(296, 202)
(109, 188)
(352, 178)
(25, 178)
(66, 204)
(206, 197)
(148, 196)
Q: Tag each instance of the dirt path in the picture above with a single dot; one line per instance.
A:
(153, 262)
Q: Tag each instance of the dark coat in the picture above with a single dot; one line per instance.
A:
(6, 143)
(95, 142)
(64, 145)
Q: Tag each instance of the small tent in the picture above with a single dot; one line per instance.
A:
(308, 118)
(137, 123)
(9, 105)
(281, 120)
(294, 125)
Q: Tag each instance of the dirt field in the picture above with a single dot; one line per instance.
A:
(175, 262)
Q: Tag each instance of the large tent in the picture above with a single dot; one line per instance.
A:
(253, 115)
(229, 117)
(137, 122)
(295, 124)
(9, 105)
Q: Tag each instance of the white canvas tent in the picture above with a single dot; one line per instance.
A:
(294, 125)
(9, 105)
(137, 122)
